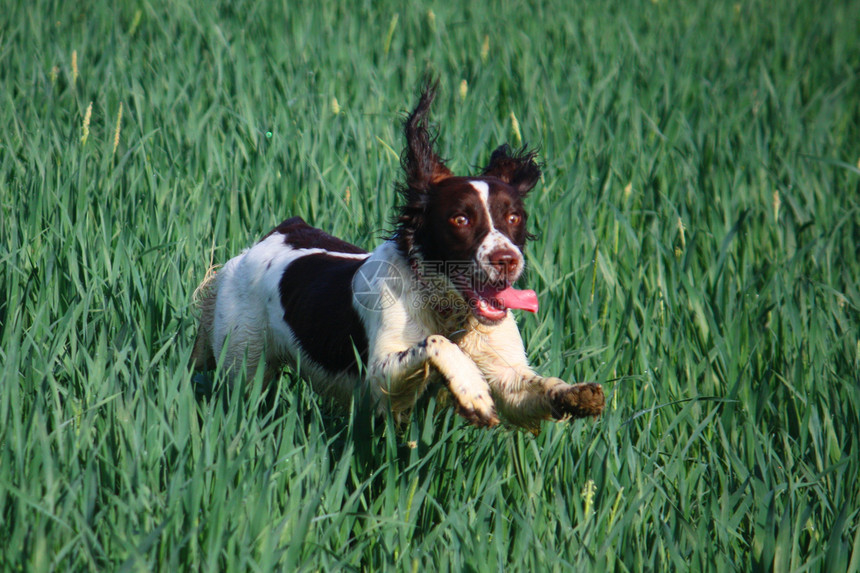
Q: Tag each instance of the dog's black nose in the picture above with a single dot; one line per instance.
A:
(505, 260)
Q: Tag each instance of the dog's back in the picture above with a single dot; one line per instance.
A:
(285, 299)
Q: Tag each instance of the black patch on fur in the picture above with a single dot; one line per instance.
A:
(316, 293)
(300, 235)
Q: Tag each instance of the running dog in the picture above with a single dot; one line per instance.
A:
(433, 302)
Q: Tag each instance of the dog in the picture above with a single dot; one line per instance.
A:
(432, 303)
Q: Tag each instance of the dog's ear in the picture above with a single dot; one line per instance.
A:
(516, 168)
(421, 164)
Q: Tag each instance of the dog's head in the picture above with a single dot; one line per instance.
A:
(471, 229)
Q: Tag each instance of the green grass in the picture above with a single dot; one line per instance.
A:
(722, 322)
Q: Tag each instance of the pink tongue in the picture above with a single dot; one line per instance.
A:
(521, 299)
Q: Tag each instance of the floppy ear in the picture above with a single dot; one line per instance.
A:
(421, 164)
(423, 168)
(516, 168)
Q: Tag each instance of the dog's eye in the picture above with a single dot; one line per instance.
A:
(514, 218)
(459, 220)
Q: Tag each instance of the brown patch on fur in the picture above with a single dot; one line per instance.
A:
(316, 299)
(516, 168)
(577, 401)
(300, 235)
(422, 165)
(423, 169)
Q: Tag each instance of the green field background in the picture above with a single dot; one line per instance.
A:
(697, 223)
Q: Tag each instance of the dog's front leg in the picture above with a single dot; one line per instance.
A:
(401, 376)
(524, 397)
(551, 397)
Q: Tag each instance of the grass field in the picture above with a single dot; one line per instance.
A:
(698, 226)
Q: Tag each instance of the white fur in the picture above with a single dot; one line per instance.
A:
(406, 335)
(486, 368)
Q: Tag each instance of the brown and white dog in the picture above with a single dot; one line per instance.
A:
(432, 302)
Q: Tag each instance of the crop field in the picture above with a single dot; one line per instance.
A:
(697, 253)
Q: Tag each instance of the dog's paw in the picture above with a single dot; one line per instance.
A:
(577, 400)
(478, 409)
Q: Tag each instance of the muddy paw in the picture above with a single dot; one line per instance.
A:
(577, 400)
